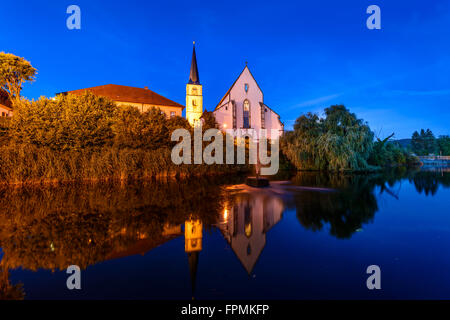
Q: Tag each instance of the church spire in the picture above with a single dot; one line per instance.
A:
(193, 77)
(193, 266)
(194, 95)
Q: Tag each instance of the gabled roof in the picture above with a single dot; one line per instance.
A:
(266, 106)
(226, 94)
(194, 78)
(128, 94)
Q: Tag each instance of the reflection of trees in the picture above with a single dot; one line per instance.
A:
(425, 180)
(56, 227)
(9, 291)
(345, 210)
(428, 182)
(354, 203)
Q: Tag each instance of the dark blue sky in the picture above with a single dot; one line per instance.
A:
(305, 55)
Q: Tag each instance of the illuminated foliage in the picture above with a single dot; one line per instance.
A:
(14, 72)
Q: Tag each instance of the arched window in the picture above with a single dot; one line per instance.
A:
(248, 221)
(246, 114)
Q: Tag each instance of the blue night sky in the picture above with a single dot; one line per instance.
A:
(305, 55)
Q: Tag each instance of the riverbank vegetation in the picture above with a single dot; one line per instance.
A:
(387, 153)
(339, 142)
(89, 138)
(71, 138)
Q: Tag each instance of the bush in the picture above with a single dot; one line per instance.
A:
(4, 130)
(65, 123)
(136, 130)
(388, 154)
(72, 138)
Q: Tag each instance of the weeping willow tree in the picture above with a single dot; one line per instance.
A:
(339, 141)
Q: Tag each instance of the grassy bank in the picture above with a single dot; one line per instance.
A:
(89, 138)
(25, 164)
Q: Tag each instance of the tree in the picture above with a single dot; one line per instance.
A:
(430, 142)
(340, 141)
(14, 72)
(417, 143)
(177, 122)
(135, 130)
(444, 145)
(209, 121)
(424, 143)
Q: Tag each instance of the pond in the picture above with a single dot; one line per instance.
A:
(310, 237)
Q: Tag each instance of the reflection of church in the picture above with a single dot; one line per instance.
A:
(246, 224)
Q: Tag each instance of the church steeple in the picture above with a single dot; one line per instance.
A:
(194, 94)
(193, 266)
(194, 77)
(193, 235)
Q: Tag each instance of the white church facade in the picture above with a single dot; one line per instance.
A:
(242, 107)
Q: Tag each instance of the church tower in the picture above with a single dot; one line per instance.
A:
(194, 94)
(193, 235)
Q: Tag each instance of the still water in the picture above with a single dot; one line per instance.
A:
(311, 237)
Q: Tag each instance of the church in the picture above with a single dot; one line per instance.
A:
(242, 106)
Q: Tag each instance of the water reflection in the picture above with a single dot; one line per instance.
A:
(56, 227)
(52, 228)
(246, 221)
(345, 210)
(193, 237)
(428, 181)
(355, 202)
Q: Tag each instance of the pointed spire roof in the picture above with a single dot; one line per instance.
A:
(193, 266)
(194, 77)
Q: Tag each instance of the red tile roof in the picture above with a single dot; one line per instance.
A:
(141, 247)
(129, 94)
